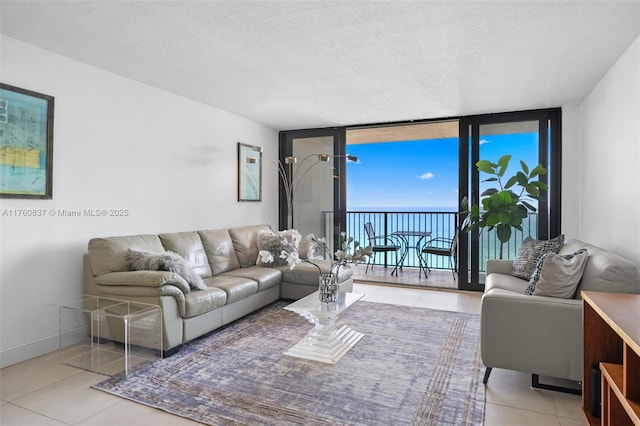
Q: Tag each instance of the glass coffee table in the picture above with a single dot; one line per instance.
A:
(327, 341)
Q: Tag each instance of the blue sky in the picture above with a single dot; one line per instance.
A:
(423, 173)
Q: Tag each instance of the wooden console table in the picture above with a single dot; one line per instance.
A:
(611, 324)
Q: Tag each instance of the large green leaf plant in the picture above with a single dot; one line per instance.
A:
(502, 208)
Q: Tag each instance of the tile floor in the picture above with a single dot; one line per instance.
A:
(45, 392)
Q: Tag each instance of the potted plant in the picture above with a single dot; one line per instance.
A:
(502, 208)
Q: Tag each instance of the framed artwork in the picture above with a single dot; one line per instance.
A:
(26, 143)
(249, 172)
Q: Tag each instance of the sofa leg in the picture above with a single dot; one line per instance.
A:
(535, 383)
(486, 375)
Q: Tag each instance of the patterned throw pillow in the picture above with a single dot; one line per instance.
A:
(535, 276)
(558, 276)
(530, 252)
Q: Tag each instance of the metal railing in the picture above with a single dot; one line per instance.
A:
(440, 224)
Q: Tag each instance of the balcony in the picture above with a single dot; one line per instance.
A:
(441, 224)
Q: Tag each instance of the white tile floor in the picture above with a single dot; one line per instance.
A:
(45, 392)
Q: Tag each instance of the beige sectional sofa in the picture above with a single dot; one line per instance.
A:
(543, 335)
(226, 261)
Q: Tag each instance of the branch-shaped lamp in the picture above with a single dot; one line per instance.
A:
(292, 176)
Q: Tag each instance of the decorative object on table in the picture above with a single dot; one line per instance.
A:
(328, 288)
(288, 246)
(292, 172)
(328, 283)
(249, 172)
(26, 143)
(239, 375)
(502, 208)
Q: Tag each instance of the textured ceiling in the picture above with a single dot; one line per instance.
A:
(301, 64)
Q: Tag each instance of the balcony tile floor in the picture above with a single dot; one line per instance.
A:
(410, 277)
(42, 391)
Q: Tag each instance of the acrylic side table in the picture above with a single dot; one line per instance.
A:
(109, 336)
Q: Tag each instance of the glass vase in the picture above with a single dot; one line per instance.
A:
(328, 288)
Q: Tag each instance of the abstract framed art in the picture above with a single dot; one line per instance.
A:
(26, 143)
(249, 172)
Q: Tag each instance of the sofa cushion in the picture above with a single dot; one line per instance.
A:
(220, 251)
(189, 246)
(143, 279)
(108, 254)
(236, 288)
(245, 242)
(265, 277)
(558, 275)
(200, 302)
(164, 261)
(308, 274)
(530, 252)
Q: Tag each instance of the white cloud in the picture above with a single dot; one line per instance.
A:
(483, 141)
(427, 175)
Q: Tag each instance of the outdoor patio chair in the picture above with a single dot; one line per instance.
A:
(442, 247)
(380, 244)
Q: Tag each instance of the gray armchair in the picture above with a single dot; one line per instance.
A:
(543, 335)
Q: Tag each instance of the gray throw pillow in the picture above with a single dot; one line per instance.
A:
(166, 261)
(530, 252)
(558, 275)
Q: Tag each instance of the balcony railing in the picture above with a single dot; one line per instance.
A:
(440, 224)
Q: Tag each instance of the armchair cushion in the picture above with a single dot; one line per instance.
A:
(558, 275)
(530, 252)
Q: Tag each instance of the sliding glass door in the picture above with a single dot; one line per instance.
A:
(532, 137)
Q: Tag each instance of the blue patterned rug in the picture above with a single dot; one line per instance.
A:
(413, 366)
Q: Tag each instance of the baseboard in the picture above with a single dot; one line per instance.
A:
(28, 351)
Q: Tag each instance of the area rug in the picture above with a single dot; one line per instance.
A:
(413, 366)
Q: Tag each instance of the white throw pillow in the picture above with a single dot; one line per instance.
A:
(560, 275)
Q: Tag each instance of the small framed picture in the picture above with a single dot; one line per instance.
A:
(26, 143)
(249, 172)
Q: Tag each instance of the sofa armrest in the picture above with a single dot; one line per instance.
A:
(499, 266)
(143, 279)
(534, 334)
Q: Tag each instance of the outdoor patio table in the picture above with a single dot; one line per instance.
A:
(404, 237)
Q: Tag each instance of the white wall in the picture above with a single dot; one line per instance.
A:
(570, 185)
(118, 144)
(609, 158)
